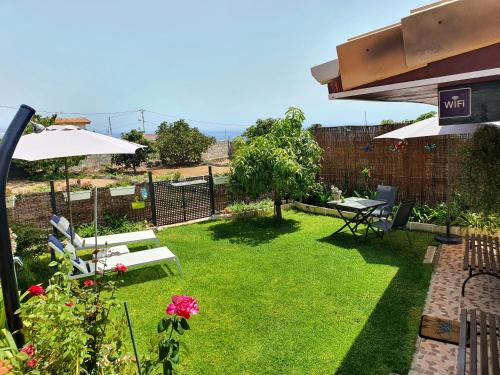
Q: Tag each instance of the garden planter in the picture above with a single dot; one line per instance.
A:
(10, 201)
(138, 205)
(219, 180)
(122, 190)
(422, 227)
(78, 195)
(318, 210)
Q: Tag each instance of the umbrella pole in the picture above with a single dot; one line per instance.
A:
(71, 228)
(448, 238)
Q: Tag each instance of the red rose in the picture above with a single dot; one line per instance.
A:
(183, 306)
(120, 267)
(89, 282)
(36, 290)
(29, 349)
(31, 363)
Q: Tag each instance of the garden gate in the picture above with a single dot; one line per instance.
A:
(183, 200)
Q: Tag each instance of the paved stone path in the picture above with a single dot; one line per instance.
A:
(444, 300)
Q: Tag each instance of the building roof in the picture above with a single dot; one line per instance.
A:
(436, 45)
(79, 121)
(151, 137)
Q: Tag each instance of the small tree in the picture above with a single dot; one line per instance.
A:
(179, 144)
(48, 167)
(261, 127)
(140, 156)
(283, 162)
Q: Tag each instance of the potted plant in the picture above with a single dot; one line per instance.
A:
(79, 191)
(10, 199)
(123, 187)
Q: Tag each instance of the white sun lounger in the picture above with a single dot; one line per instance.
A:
(63, 226)
(106, 264)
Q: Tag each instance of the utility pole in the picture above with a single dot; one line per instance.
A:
(142, 116)
(110, 129)
(366, 122)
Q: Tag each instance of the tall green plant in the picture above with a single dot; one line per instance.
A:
(481, 170)
(283, 162)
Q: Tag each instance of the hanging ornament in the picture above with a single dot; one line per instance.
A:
(430, 147)
(401, 145)
(367, 148)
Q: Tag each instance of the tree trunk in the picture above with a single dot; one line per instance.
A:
(277, 210)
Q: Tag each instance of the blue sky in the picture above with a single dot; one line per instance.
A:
(223, 63)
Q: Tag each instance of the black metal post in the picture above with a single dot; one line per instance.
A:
(183, 203)
(53, 207)
(133, 338)
(211, 190)
(7, 270)
(152, 198)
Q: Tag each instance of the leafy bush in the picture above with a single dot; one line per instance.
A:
(179, 144)
(69, 328)
(112, 224)
(140, 156)
(318, 194)
(34, 271)
(31, 241)
(481, 168)
(460, 216)
(243, 206)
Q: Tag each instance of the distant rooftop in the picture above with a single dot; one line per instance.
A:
(151, 137)
(78, 121)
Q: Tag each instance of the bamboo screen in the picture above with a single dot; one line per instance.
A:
(418, 169)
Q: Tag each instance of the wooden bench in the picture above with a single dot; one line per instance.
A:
(479, 331)
(481, 257)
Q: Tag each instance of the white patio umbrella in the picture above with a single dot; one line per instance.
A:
(430, 128)
(64, 141)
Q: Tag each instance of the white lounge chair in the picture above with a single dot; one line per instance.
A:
(63, 226)
(84, 268)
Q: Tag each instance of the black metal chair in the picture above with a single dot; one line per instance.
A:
(399, 222)
(387, 194)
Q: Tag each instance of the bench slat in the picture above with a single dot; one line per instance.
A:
(473, 343)
(492, 252)
(483, 343)
(486, 255)
(467, 252)
(462, 344)
(479, 252)
(494, 344)
(473, 251)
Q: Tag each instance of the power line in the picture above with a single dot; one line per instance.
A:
(193, 120)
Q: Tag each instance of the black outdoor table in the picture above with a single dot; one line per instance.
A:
(362, 209)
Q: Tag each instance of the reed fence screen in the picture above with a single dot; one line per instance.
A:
(418, 169)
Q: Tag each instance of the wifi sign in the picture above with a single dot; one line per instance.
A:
(455, 103)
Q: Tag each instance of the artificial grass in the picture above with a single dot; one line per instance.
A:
(283, 298)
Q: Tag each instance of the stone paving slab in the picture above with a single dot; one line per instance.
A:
(444, 300)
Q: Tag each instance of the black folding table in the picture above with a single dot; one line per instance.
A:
(362, 209)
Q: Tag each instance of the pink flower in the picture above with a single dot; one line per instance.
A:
(183, 306)
(120, 267)
(29, 349)
(31, 363)
(36, 290)
(89, 282)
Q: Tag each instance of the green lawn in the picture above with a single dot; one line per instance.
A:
(285, 299)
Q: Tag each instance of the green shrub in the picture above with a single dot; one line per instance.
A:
(31, 241)
(112, 224)
(34, 271)
(257, 205)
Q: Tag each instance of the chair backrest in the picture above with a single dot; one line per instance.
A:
(63, 226)
(59, 247)
(387, 194)
(402, 215)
